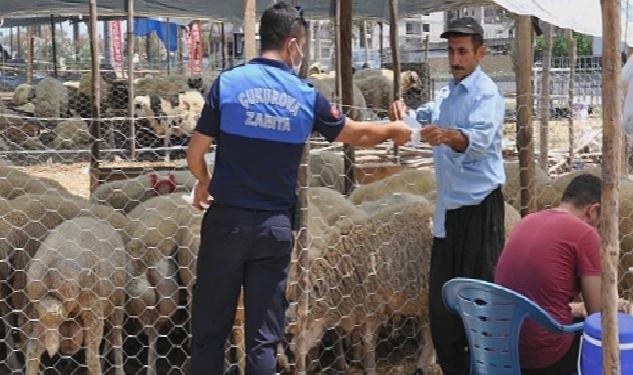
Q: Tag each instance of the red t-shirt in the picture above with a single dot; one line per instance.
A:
(543, 259)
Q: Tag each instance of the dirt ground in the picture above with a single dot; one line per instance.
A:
(74, 177)
(558, 132)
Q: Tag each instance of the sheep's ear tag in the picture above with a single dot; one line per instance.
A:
(335, 112)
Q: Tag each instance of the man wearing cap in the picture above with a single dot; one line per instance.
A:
(260, 114)
(465, 130)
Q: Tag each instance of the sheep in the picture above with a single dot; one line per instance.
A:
(512, 187)
(325, 84)
(23, 94)
(157, 229)
(164, 86)
(26, 223)
(51, 98)
(326, 169)
(72, 135)
(334, 209)
(125, 195)
(388, 255)
(14, 182)
(18, 130)
(377, 87)
(549, 195)
(85, 87)
(372, 207)
(79, 272)
(158, 115)
(511, 219)
(407, 181)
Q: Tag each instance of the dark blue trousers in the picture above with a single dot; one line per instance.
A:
(240, 247)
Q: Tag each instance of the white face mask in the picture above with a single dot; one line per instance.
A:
(297, 66)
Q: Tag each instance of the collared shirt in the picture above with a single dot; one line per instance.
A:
(475, 107)
(261, 115)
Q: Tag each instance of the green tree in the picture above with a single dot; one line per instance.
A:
(560, 47)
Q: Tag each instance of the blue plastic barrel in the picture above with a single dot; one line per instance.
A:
(591, 352)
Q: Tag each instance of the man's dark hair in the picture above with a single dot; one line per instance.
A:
(583, 190)
(477, 39)
(280, 22)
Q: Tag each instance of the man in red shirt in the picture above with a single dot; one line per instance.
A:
(550, 257)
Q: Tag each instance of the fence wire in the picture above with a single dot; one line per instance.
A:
(124, 305)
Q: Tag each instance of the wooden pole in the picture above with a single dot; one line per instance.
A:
(250, 47)
(225, 51)
(570, 94)
(381, 42)
(19, 56)
(107, 43)
(395, 57)
(317, 42)
(181, 67)
(305, 62)
(148, 50)
(30, 31)
(94, 98)
(611, 153)
(130, 77)
(545, 98)
(347, 84)
(168, 44)
(54, 45)
(76, 40)
(524, 105)
(427, 69)
(363, 37)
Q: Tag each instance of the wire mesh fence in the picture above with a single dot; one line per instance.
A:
(102, 279)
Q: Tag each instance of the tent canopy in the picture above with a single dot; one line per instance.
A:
(580, 15)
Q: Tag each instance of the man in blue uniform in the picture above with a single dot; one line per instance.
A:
(465, 125)
(260, 115)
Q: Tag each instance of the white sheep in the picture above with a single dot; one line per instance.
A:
(25, 224)
(326, 169)
(79, 273)
(23, 94)
(406, 181)
(14, 182)
(325, 84)
(126, 194)
(377, 269)
(51, 98)
(512, 187)
(157, 227)
(72, 135)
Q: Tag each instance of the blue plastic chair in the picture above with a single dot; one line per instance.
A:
(493, 316)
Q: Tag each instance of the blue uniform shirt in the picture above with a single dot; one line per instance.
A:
(261, 115)
(475, 107)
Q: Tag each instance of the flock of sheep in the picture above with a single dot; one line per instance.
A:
(75, 270)
(52, 115)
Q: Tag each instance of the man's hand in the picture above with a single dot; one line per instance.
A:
(453, 138)
(201, 197)
(397, 110)
(578, 309)
(434, 135)
(400, 132)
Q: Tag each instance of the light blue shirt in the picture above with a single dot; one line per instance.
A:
(475, 107)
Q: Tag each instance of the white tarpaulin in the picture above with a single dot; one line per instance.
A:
(584, 16)
(581, 15)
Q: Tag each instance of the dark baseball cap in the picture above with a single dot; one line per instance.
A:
(465, 26)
